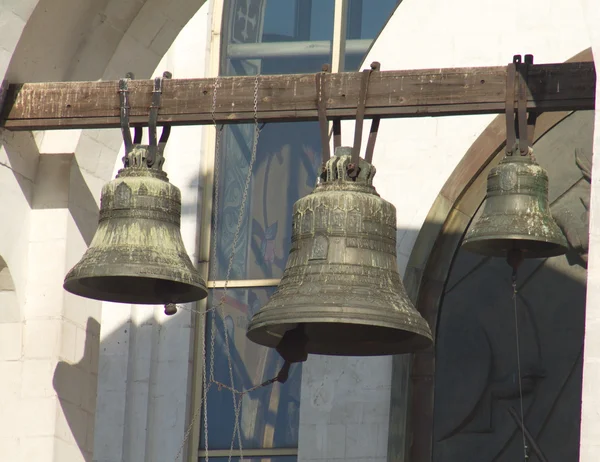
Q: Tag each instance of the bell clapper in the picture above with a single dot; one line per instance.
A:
(170, 309)
(284, 373)
(292, 346)
(514, 258)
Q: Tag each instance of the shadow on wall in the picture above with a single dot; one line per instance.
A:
(144, 383)
(76, 386)
(477, 389)
(22, 154)
(82, 205)
(477, 408)
(475, 401)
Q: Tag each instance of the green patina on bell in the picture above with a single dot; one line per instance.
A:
(516, 214)
(341, 293)
(137, 254)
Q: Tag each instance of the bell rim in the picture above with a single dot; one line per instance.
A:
(414, 340)
(73, 285)
(554, 248)
(258, 328)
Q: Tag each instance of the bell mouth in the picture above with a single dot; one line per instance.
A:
(491, 246)
(345, 338)
(135, 289)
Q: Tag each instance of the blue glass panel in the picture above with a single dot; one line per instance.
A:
(365, 22)
(268, 415)
(253, 26)
(285, 170)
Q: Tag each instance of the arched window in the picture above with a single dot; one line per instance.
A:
(269, 37)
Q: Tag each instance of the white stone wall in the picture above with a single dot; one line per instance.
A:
(414, 158)
(49, 197)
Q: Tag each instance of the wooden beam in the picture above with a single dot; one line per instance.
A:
(284, 98)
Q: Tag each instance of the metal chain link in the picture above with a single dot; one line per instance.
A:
(208, 376)
(236, 407)
(186, 436)
(215, 222)
(206, 385)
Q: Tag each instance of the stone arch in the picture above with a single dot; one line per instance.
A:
(89, 40)
(429, 267)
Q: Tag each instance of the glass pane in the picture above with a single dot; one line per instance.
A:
(274, 36)
(285, 170)
(269, 415)
(363, 26)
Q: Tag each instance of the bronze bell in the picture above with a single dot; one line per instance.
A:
(137, 254)
(341, 292)
(516, 214)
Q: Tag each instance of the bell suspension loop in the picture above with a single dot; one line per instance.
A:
(136, 154)
(322, 113)
(124, 115)
(511, 136)
(354, 166)
(375, 66)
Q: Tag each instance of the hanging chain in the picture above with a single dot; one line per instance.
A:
(215, 223)
(514, 297)
(208, 376)
(205, 383)
(205, 386)
(236, 236)
(203, 400)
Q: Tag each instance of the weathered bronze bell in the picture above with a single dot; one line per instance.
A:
(137, 254)
(516, 214)
(341, 292)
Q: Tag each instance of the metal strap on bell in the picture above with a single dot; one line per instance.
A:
(137, 254)
(516, 221)
(341, 293)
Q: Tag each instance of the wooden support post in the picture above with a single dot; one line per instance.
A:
(286, 98)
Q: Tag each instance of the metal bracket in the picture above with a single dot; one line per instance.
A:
(522, 108)
(353, 168)
(3, 92)
(154, 154)
(124, 116)
(156, 150)
(511, 136)
(337, 133)
(526, 122)
(322, 112)
(375, 66)
(532, 117)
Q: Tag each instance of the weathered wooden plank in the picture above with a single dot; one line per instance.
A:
(412, 93)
